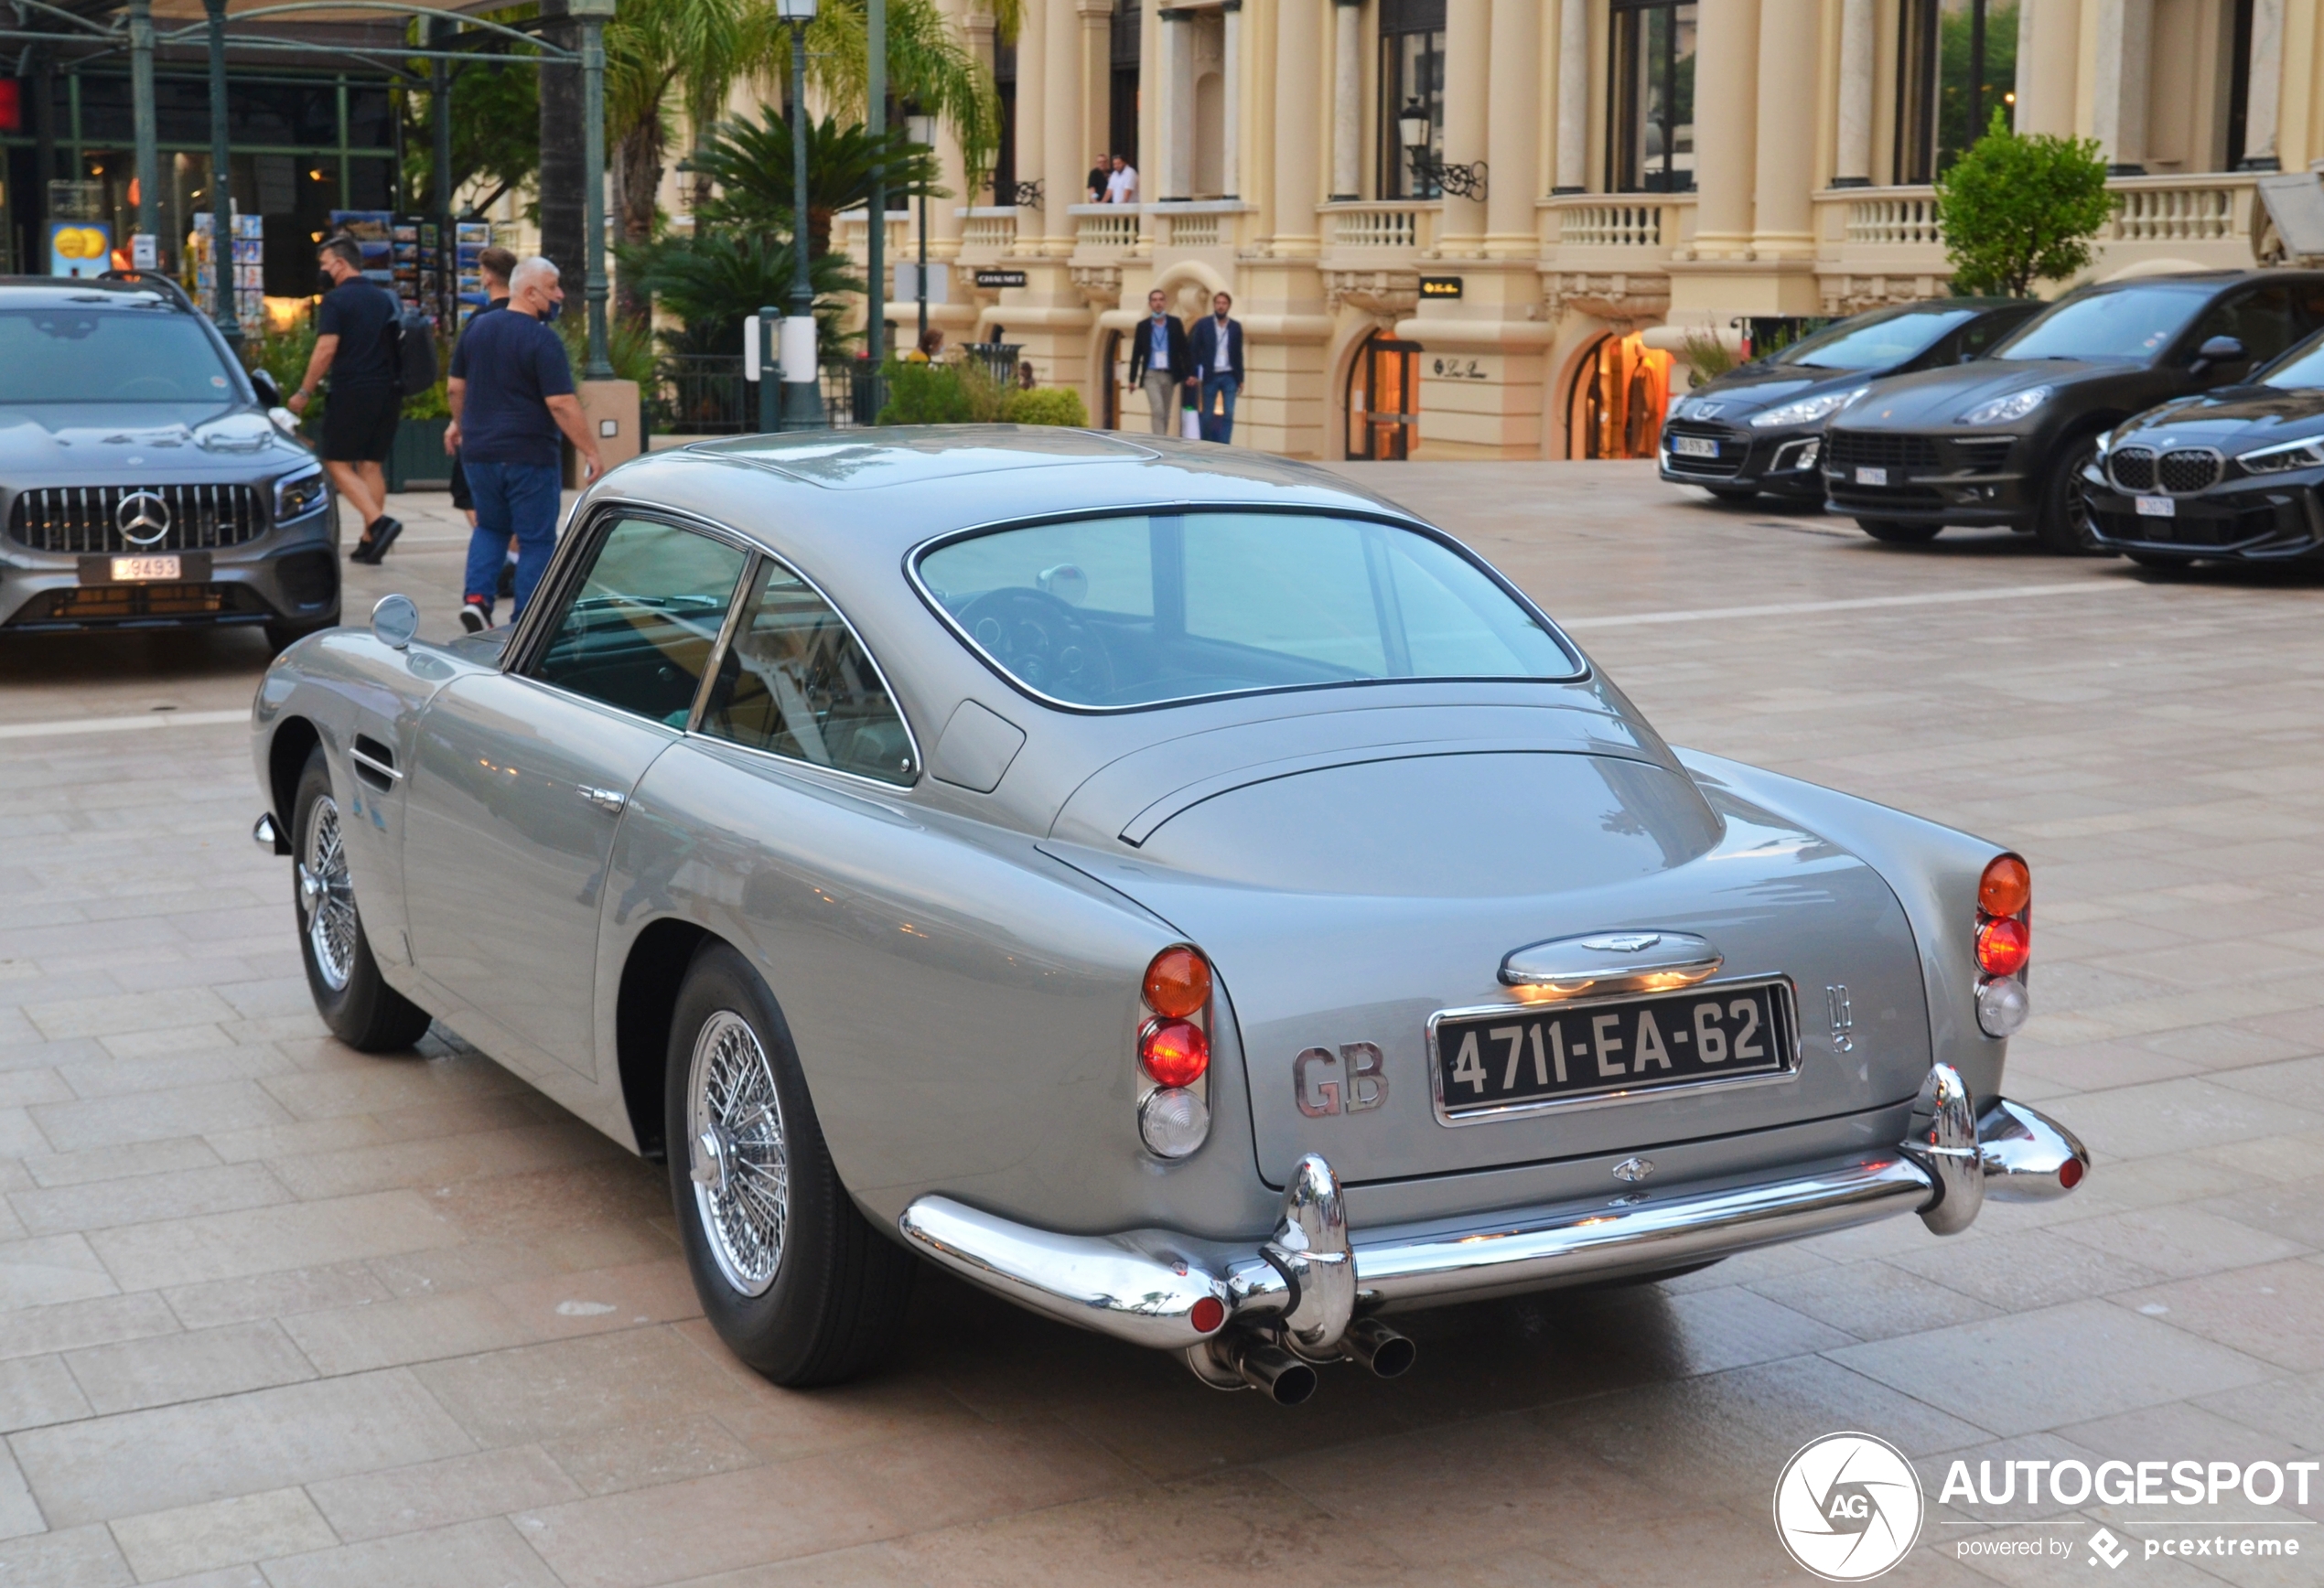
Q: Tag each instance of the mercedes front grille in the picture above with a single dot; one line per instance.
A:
(89, 518)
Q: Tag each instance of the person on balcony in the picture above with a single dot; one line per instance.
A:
(1122, 187)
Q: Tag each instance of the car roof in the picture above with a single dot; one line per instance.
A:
(49, 292)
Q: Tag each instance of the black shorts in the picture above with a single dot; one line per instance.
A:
(359, 424)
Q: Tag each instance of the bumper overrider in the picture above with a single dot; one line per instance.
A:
(1308, 1294)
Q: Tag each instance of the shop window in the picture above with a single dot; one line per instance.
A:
(1957, 63)
(1649, 146)
(1620, 396)
(1384, 400)
(1411, 83)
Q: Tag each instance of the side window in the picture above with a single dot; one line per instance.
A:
(795, 683)
(638, 632)
(1982, 333)
(2260, 319)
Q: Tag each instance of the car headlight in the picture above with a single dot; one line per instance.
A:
(2003, 410)
(299, 494)
(1807, 410)
(2283, 455)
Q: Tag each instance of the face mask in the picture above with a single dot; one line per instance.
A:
(556, 309)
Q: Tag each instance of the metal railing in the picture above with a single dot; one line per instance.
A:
(705, 394)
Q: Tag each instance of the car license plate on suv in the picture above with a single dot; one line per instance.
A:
(1872, 477)
(1528, 1056)
(2158, 508)
(1694, 447)
(137, 569)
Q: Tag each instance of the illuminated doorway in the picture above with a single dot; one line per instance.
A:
(1619, 399)
(1384, 400)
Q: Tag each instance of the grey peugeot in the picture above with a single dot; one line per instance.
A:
(144, 478)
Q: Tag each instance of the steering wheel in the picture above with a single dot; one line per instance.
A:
(1041, 641)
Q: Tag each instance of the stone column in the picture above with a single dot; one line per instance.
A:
(2263, 99)
(1172, 172)
(1852, 155)
(2049, 61)
(1727, 40)
(1231, 90)
(1347, 100)
(1097, 86)
(1297, 178)
(1573, 96)
(1783, 218)
(1062, 155)
(1513, 79)
(1032, 120)
(1467, 116)
(2118, 117)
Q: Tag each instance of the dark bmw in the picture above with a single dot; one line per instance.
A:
(143, 482)
(2005, 440)
(1757, 428)
(2232, 475)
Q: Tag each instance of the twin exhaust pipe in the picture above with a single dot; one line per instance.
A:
(1253, 1362)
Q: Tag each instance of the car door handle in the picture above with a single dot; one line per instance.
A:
(609, 800)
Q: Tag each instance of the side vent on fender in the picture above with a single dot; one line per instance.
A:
(374, 763)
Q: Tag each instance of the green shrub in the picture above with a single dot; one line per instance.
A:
(1707, 356)
(1045, 406)
(926, 394)
(2018, 208)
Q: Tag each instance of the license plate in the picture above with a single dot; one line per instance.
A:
(2158, 508)
(136, 570)
(1527, 1056)
(1872, 477)
(1694, 447)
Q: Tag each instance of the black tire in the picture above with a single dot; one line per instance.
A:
(1733, 495)
(282, 634)
(823, 1301)
(1896, 532)
(359, 1007)
(2063, 526)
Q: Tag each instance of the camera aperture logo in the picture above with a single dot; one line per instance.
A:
(1848, 1506)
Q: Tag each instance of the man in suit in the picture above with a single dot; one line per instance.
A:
(1217, 347)
(1160, 361)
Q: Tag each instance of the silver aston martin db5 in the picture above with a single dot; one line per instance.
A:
(1172, 886)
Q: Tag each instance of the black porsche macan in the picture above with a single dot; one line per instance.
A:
(1757, 428)
(2005, 440)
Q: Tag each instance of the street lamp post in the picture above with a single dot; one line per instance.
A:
(1428, 170)
(922, 130)
(803, 393)
(593, 15)
(221, 184)
(141, 98)
(876, 123)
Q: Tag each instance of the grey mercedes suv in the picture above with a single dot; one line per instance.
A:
(143, 482)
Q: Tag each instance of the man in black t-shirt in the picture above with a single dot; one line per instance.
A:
(494, 265)
(356, 345)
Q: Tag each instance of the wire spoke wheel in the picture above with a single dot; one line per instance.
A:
(741, 1169)
(327, 896)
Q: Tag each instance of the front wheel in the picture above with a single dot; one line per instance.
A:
(795, 1280)
(2063, 526)
(354, 1000)
(1896, 532)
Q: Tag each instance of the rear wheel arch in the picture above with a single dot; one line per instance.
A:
(644, 1005)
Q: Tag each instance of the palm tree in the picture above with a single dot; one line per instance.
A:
(928, 64)
(750, 162)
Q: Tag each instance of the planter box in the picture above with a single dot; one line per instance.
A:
(417, 461)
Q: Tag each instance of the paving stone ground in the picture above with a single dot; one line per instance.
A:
(276, 1315)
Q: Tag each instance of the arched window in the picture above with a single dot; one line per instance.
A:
(1619, 395)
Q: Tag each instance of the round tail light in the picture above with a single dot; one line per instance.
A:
(1175, 1052)
(2006, 888)
(1178, 983)
(2002, 947)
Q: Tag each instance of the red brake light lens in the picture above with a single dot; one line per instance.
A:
(1211, 1311)
(1178, 983)
(2002, 947)
(1175, 1052)
(2006, 888)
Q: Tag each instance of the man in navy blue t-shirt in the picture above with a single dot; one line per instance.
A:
(511, 396)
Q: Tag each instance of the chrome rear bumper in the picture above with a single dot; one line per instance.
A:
(1309, 1279)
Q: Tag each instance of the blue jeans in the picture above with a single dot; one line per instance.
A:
(1219, 427)
(511, 499)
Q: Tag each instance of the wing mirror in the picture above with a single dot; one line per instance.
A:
(269, 389)
(394, 621)
(2214, 351)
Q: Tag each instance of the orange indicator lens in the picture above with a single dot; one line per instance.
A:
(1175, 1052)
(2006, 888)
(2002, 947)
(1178, 984)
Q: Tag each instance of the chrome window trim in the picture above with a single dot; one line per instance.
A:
(914, 556)
(1787, 994)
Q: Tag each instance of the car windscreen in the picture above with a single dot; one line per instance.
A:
(1136, 610)
(82, 355)
(2133, 325)
(2301, 368)
(1876, 341)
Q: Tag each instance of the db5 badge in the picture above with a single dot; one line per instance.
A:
(1350, 1081)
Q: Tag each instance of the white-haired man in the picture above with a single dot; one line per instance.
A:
(512, 392)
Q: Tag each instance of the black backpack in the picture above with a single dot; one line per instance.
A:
(412, 349)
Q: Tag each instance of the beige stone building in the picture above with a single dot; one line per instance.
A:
(1483, 228)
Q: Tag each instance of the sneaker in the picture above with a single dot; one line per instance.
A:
(475, 616)
(381, 535)
(361, 551)
(507, 584)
